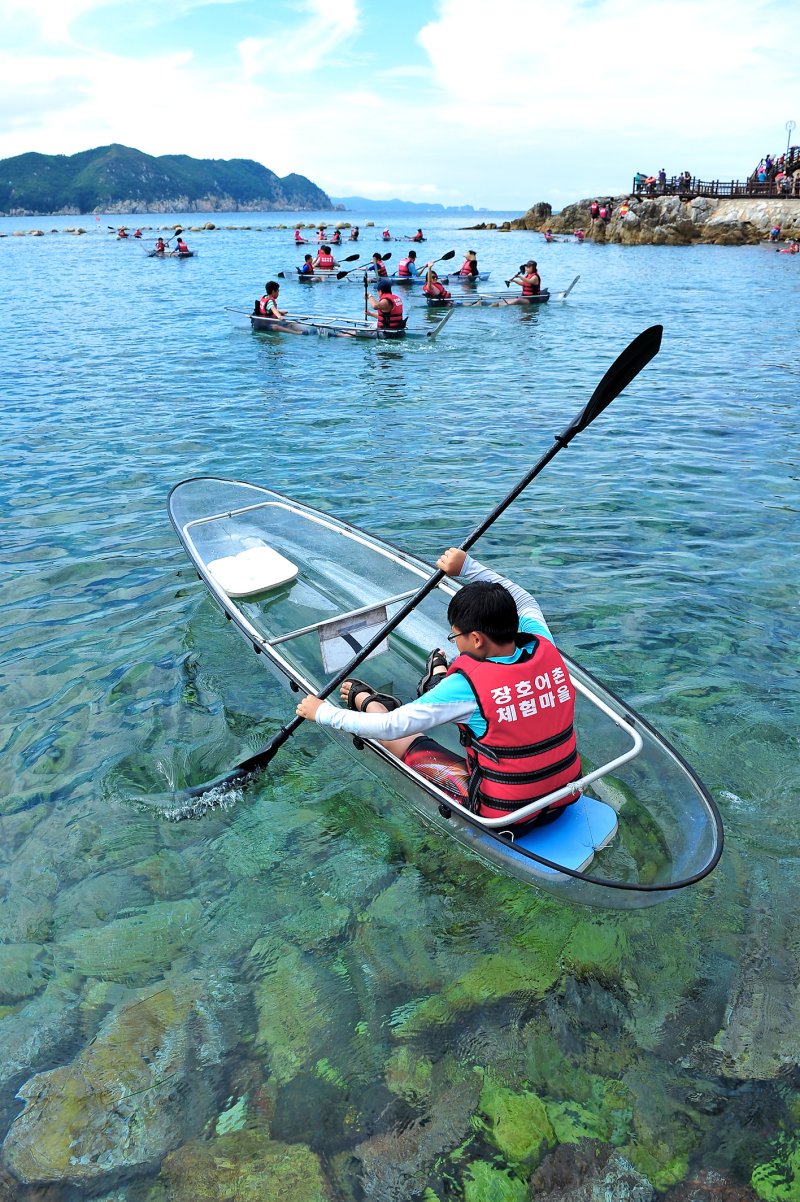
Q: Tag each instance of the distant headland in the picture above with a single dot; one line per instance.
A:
(119, 179)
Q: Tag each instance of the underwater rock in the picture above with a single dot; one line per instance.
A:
(515, 1123)
(711, 1186)
(246, 1166)
(486, 1182)
(39, 1033)
(760, 1038)
(8, 1187)
(145, 1083)
(396, 1163)
(24, 969)
(135, 950)
(291, 1002)
(588, 1172)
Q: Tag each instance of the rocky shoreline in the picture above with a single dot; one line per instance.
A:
(670, 220)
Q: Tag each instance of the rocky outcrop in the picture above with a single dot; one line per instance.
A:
(671, 220)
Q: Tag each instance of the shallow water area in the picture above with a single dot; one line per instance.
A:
(305, 982)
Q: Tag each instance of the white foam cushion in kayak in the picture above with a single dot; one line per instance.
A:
(254, 570)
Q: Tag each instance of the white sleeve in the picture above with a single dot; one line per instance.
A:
(411, 719)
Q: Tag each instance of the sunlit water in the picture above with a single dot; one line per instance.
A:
(338, 978)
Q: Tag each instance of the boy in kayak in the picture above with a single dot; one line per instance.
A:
(389, 309)
(181, 247)
(508, 691)
(377, 265)
(268, 305)
(407, 267)
(308, 266)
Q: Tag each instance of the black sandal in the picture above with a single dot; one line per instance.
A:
(436, 659)
(357, 687)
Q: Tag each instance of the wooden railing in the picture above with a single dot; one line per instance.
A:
(687, 186)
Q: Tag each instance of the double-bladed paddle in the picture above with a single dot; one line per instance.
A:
(622, 371)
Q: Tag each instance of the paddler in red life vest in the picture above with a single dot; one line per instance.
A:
(337, 238)
(508, 691)
(377, 265)
(387, 237)
(268, 305)
(122, 232)
(389, 309)
(470, 265)
(137, 234)
(308, 266)
(418, 237)
(325, 260)
(181, 247)
(529, 280)
(354, 234)
(407, 267)
(433, 289)
(160, 246)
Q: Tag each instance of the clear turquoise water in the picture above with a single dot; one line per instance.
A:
(663, 546)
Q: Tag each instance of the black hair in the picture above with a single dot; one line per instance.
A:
(487, 607)
(412, 254)
(270, 285)
(384, 286)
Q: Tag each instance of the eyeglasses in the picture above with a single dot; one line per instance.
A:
(459, 634)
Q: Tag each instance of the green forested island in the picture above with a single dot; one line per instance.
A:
(119, 179)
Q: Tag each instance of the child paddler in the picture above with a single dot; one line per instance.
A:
(508, 691)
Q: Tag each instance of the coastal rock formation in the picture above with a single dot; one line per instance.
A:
(671, 220)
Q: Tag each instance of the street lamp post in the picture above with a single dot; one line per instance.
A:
(789, 127)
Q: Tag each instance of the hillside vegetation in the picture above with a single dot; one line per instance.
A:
(119, 179)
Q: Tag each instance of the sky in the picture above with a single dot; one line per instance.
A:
(493, 103)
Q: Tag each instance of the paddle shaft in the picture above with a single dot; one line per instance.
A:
(624, 369)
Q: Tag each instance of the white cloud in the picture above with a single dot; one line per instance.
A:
(307, 47)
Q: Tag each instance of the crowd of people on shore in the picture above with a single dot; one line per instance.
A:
(783, 172)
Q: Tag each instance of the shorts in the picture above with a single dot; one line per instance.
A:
(437, 764)
(448, 770)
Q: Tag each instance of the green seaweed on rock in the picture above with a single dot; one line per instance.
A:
(778, 1179)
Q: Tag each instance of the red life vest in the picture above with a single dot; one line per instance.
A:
(325, 262)
(402, 267)
(529, 749)
(379, 268)
(529, 288)
(436, 289)
(393, 319)
(594, 208)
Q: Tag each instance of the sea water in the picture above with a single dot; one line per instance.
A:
(304, 978)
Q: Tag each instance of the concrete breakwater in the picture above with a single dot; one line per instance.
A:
(671, 220)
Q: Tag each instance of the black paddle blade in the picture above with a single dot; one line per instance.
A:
(451, 254)
(385, 258)
(625, 368)
(350, 259)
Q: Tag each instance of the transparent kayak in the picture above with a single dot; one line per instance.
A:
(304, 589)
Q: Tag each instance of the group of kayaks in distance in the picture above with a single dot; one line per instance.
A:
(390, 320)
(336, 237)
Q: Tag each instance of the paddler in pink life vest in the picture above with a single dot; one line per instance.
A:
(433, 289)
(387, 237)
(325, 260)
(580, 234)
(508, 691)
(389, 309)
(337, 238)
(298, 237)
(407, 267)
(529, 280)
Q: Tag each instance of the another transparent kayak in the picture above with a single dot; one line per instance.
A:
(306, 590)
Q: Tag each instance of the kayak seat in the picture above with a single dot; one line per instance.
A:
(255, 570)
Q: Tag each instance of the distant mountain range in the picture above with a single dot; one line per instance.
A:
(363, 205)
(119, 179)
